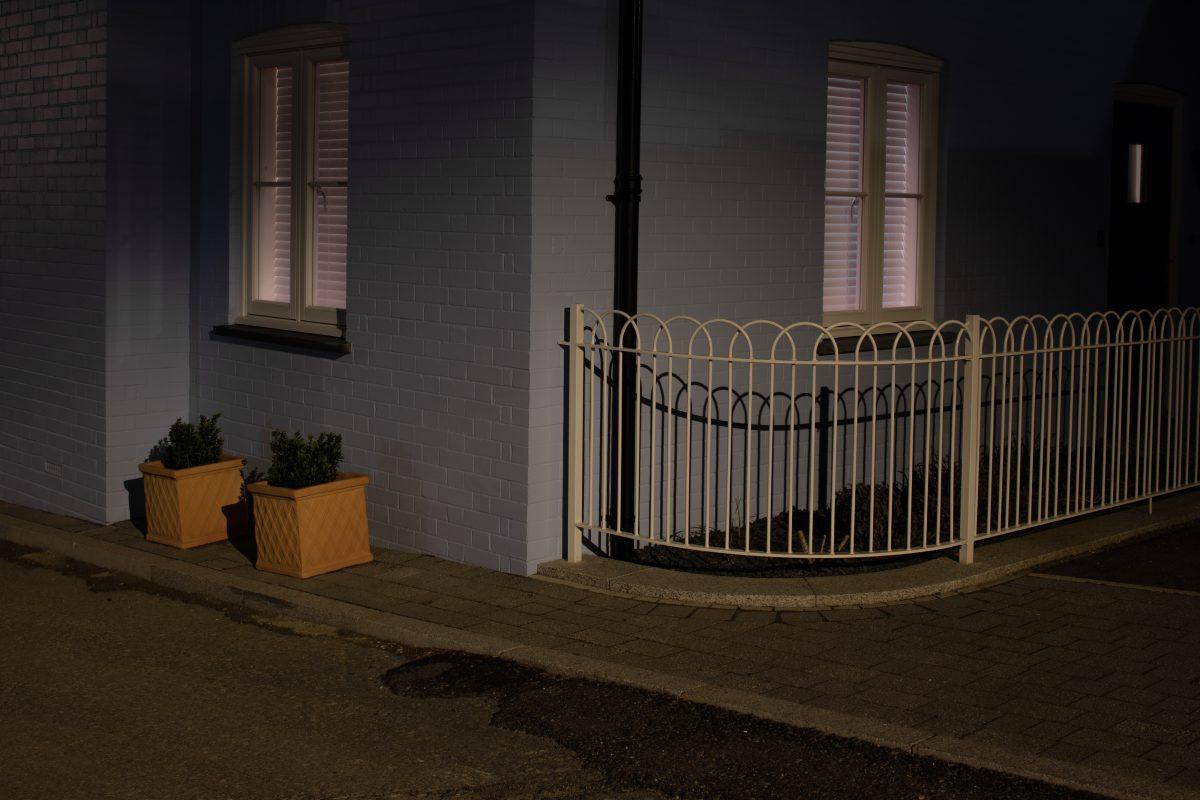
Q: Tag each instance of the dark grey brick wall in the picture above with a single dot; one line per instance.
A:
(52, 250)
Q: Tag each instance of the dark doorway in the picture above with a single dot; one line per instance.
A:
(1139, 259)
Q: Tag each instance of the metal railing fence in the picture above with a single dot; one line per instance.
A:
(807, 441)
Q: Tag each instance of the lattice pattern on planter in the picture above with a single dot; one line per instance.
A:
(274, 518)
(195, 506)
(306, 532)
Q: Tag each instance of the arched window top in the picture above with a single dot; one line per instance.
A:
(891, 55)
(293, 37)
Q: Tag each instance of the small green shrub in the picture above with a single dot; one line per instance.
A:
(188, 445)
(255, 475)
(298, 461)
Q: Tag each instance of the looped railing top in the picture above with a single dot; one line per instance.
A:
(685, 336)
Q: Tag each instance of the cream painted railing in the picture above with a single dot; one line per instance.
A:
(805, 441)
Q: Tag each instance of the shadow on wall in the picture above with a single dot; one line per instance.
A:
(136, 489)
(1151, 61)
(1022, 233)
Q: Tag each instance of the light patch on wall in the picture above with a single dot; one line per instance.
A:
(1137, 174)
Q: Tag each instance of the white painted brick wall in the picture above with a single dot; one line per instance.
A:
(733, 148)
(52, 247)
(732, 159)
(482, 150)
(433, 402)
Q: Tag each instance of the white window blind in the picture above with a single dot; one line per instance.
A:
(843, 187)
(273, 186)
(330, 184)
(902, 186)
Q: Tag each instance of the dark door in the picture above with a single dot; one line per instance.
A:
(1140, 220)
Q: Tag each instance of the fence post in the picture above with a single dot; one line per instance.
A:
(972, 402)
(574, 433)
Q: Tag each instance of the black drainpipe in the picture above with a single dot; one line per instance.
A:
(626, 198)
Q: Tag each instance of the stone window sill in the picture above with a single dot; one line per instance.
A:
(313, 342)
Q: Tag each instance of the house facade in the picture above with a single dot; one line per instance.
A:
(368, 217)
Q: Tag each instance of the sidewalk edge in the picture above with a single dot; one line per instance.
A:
(562, 573)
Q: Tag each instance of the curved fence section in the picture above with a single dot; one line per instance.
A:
(807, 441)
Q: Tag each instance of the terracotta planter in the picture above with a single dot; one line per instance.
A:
(194, 506)
(311, 531)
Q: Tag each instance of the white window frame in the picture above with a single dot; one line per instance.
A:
(877, 64)
(300, 47)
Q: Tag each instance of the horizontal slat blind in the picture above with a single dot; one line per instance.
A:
(843, 173)
(843, 134)
(273, 201)
(902, 161)
(900, 252)
(843, 235)
(332, 171)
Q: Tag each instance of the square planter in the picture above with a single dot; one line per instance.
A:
(311, 531)
(194, 506)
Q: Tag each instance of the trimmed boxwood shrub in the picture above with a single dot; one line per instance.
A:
(187, 445)
(299, 461)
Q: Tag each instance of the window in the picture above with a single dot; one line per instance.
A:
(880, 175)
(295, 159)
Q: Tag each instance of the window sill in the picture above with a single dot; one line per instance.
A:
(313, 342)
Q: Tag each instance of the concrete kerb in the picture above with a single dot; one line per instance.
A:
(655, 584)
(418, 634)
(1105, 784)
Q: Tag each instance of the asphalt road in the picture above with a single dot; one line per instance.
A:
(114, 688)
(1168, 561)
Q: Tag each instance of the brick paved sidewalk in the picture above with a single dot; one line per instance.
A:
(1101, 677)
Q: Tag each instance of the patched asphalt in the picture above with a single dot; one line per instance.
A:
(640, 739)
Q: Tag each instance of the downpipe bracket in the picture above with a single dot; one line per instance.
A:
(626, 189)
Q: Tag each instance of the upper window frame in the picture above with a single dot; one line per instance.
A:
(877, 64)
(301, 47)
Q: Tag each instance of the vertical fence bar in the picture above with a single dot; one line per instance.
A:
(575, 446)
(972, 401)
